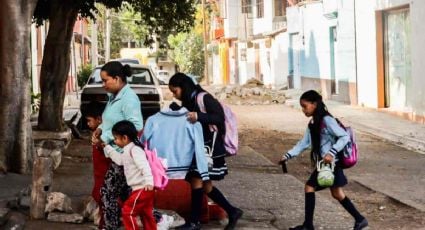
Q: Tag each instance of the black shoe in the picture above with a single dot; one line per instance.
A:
(360, 225)
(301, 227)
(189, 226)
(233, 219)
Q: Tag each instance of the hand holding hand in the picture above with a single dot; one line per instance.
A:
(97, 132)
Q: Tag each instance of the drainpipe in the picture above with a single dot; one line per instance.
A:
(355, 52)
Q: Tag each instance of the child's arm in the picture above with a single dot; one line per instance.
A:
(113, 154)
(339, 133)
(141, 162)
(302, 145)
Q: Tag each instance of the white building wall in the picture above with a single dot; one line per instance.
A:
(242, 62)
(264, 24)
(250, 67)
(265, 63)
(417, 17)
(279, 59)
(231, 24)
(367, 84)
(217, 80)
(315, 49)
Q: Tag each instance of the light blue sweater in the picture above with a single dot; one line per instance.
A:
(177, 140)
(333, 139)
(124, 106)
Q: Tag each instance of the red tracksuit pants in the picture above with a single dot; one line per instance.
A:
(140, 203)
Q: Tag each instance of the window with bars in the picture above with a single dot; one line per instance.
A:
(260, 8)
(246, 6)
(280, 7)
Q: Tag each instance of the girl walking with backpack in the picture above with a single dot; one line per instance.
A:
(326, 138)
(138, 174)
(185, 90)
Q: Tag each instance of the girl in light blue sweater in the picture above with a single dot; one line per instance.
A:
(326, 138)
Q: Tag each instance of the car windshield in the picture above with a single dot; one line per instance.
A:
(140, 76)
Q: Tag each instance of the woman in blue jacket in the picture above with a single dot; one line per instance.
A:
(123, 104)
(326, 138)
(185, 90)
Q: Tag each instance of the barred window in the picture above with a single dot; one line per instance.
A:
(279, 7)
(260, 8)
(246, 6)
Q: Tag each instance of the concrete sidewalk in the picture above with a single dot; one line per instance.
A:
(270, 199)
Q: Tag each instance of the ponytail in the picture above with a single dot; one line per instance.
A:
(116, 69)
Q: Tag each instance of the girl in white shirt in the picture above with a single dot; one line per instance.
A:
(138, 175)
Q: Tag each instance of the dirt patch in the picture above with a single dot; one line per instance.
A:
(382, 211)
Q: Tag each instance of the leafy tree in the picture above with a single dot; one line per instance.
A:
(187, 52)
(15, 104)
(125, 27)
(84, 74)
(187, 47)
(159, 17)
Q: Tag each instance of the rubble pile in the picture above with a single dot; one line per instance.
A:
(254, 92)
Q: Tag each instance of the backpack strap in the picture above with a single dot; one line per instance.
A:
(200, 101)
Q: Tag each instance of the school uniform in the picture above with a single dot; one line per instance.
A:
(333, 139)
(214, 116)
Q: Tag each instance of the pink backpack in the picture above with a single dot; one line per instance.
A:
(349, 154)
(231, 139)
(158, 168)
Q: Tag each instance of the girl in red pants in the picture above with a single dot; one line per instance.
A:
(138, 174)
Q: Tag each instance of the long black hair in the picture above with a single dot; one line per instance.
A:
(187, 86)
(116, 69)
(128, 129)
(316, 125)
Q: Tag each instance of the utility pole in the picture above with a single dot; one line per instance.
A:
(83, 49)
(94, 59)
(108, 36)
(204, 22)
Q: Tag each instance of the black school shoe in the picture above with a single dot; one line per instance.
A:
(301, 227)
(360, 225)
(233, 219)
(189, 226)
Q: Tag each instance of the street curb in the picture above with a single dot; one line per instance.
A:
(399, 140)
(408, 203)
(402, 141)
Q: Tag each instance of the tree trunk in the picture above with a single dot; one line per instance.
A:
(15, 64)
(56, 64)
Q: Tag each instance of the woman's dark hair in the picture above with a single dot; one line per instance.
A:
(116, 69)
(128, 129)
(187, 86)
(315, 127)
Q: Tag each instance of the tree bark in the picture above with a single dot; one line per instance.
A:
(15, 98)
(56, 64)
